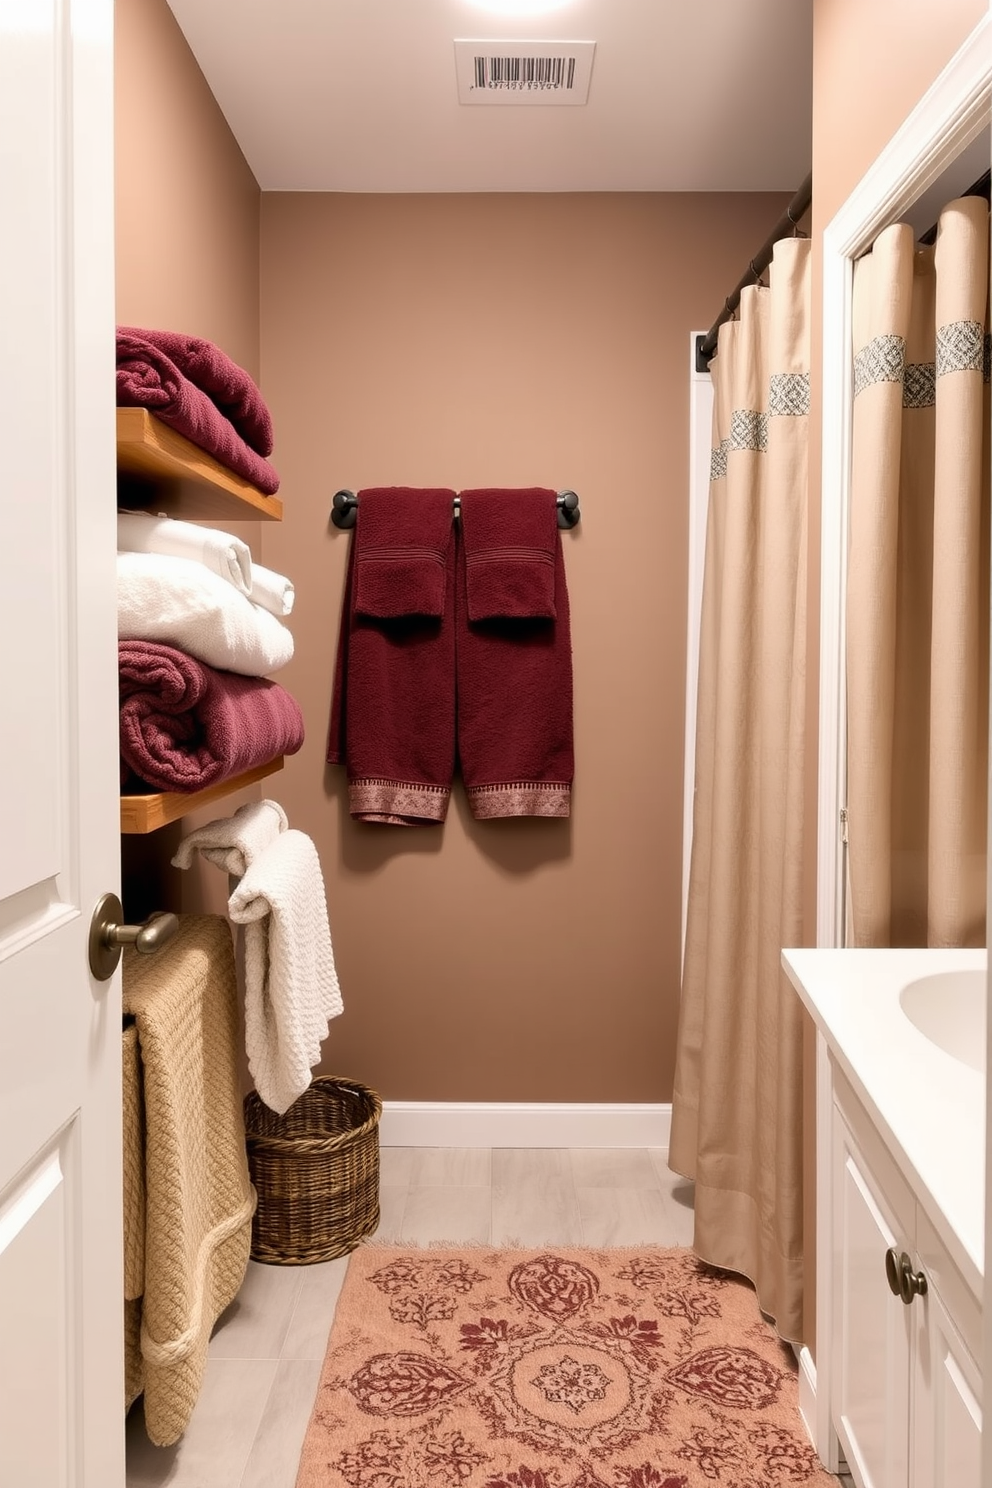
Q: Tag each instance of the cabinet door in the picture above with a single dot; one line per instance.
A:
(947, 1411)
(871, 1332)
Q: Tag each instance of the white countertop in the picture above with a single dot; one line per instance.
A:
(929, 1108)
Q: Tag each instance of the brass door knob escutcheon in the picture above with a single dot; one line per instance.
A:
(108, 936)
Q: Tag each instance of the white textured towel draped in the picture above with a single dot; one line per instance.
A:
(918, 586)
(736, 1125)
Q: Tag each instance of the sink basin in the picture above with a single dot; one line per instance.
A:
(948, 1008)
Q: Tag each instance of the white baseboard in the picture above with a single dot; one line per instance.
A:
(807, 1392)
(818, 1427)
(512, 1124)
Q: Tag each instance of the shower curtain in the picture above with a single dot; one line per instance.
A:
(736, 1122)
(918, 587)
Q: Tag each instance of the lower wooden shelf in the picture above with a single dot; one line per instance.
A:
(148, 813)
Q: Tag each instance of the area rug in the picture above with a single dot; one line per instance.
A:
(557, 1368)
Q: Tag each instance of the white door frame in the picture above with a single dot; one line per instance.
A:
(700, 439)
(950, 115)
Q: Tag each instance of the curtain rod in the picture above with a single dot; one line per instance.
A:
(793, 214)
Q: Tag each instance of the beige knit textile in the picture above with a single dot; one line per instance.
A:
(134, 1211)
(188, 1152)
(134, 1167)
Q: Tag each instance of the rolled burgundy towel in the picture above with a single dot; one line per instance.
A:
(229, 386)
(147, 378)
(185, 726)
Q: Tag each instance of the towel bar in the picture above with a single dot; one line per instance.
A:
(344, 508)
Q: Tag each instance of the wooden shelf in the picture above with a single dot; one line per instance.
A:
(148, 813)
(189, 483)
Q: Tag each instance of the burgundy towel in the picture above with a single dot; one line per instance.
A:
(146, 378)
(515, 706)
(226, 384)
(510, 539)
(185, 726)
(400, 547)
(393, 711)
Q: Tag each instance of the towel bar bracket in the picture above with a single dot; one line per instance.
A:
(344, 509)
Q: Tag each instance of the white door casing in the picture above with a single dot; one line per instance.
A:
(952, 113)
(700, 439)
(61, 1367)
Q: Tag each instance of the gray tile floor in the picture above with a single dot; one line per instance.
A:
(267, 1349)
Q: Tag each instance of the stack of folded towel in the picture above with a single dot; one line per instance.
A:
(195, 388)
(200, 630)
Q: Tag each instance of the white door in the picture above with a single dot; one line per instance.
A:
(61, 1371)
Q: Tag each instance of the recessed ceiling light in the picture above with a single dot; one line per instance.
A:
(520, 7)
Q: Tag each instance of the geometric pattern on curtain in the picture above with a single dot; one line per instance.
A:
(961, 346)
(737, 1107)
(918, 586)
(788, 397)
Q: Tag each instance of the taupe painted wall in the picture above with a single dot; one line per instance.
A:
(476, 340)
(187, 232)
(858, 104)
(187, 204)
(462, 340)
(518, 960)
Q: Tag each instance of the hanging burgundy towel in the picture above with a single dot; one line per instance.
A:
(514, 656)
(510, 549)
(393, 710)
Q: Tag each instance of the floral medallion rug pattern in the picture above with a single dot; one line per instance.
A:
(558, 1368)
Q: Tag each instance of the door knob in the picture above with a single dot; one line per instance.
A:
(903, 1281)
(108, 936)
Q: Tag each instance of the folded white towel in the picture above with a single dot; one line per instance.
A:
(228, 556)
(270, 590)
(184, 604)
(291, 985)
(234, 842)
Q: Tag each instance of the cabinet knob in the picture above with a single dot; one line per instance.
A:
(903, 1281)
(108, 935)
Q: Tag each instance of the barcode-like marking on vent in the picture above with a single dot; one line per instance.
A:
(549, 73)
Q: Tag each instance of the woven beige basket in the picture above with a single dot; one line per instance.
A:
(316, 1171)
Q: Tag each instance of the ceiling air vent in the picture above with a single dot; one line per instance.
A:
(522, 72)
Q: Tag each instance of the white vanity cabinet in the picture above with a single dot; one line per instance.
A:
(900, 1136)
(905, 1387)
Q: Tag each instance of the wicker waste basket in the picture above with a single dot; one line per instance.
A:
(316, 1172)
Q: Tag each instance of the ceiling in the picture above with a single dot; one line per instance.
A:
(360, 95)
